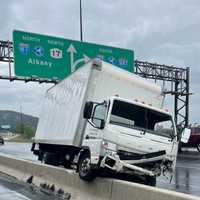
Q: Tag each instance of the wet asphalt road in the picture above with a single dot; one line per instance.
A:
(186, 178)
(187, 175)
(13, 189)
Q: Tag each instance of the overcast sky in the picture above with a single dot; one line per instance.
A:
(162, 31)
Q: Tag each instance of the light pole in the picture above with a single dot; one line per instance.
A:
(81, 28)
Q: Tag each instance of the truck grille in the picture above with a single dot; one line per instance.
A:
(125, 155)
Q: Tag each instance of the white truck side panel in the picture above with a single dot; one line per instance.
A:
(61, 120)
(61, 110)
(111, 81)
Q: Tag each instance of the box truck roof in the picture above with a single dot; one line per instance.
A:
(61, 119)
(130, 77)
(119, 73)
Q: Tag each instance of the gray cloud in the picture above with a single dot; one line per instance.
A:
(165, 32)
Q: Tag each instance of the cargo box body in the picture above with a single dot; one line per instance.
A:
(61, 121)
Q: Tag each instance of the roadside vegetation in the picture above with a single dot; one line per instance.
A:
(17, 126)
(25, 132)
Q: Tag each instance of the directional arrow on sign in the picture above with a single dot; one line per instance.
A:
(85, 59)
(71, 50)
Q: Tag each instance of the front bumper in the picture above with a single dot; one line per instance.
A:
(118, 165)
(152, 164)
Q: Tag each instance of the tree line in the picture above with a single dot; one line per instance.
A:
(25, 130)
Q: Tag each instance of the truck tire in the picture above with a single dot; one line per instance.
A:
(198, 146)
(150, 180)
(67, 164)
(51, 159)
(84, 168)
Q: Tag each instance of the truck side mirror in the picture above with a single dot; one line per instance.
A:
(99, 123)
(185, 135)
(87, 113)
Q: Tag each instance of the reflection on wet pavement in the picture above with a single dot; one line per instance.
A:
(187, 175)
(6, 194)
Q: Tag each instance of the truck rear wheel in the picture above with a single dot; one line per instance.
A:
(67, 164)
(84, 168)
(51, 159)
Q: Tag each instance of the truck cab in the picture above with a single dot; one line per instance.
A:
(123, 134)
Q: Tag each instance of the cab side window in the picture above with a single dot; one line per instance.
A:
(99, 114)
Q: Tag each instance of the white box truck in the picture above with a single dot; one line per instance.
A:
(103, 117)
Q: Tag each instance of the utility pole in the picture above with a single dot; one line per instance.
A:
(81, 28)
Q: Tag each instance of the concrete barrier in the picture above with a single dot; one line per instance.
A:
(101, 188)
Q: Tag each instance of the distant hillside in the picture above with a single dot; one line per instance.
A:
(13, 119)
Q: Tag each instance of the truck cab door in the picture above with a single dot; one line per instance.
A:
(96, 123)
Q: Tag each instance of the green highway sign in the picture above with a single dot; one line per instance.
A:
(50, 57)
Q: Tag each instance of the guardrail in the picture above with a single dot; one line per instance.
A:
(101, 188)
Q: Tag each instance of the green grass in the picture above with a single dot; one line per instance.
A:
(19, 139)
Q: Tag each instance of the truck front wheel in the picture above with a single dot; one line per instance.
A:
(84, 168)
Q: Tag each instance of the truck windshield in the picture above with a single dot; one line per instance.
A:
(138, 117)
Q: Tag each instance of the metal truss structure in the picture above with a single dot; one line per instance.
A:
(178, 79)
(6, 49)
